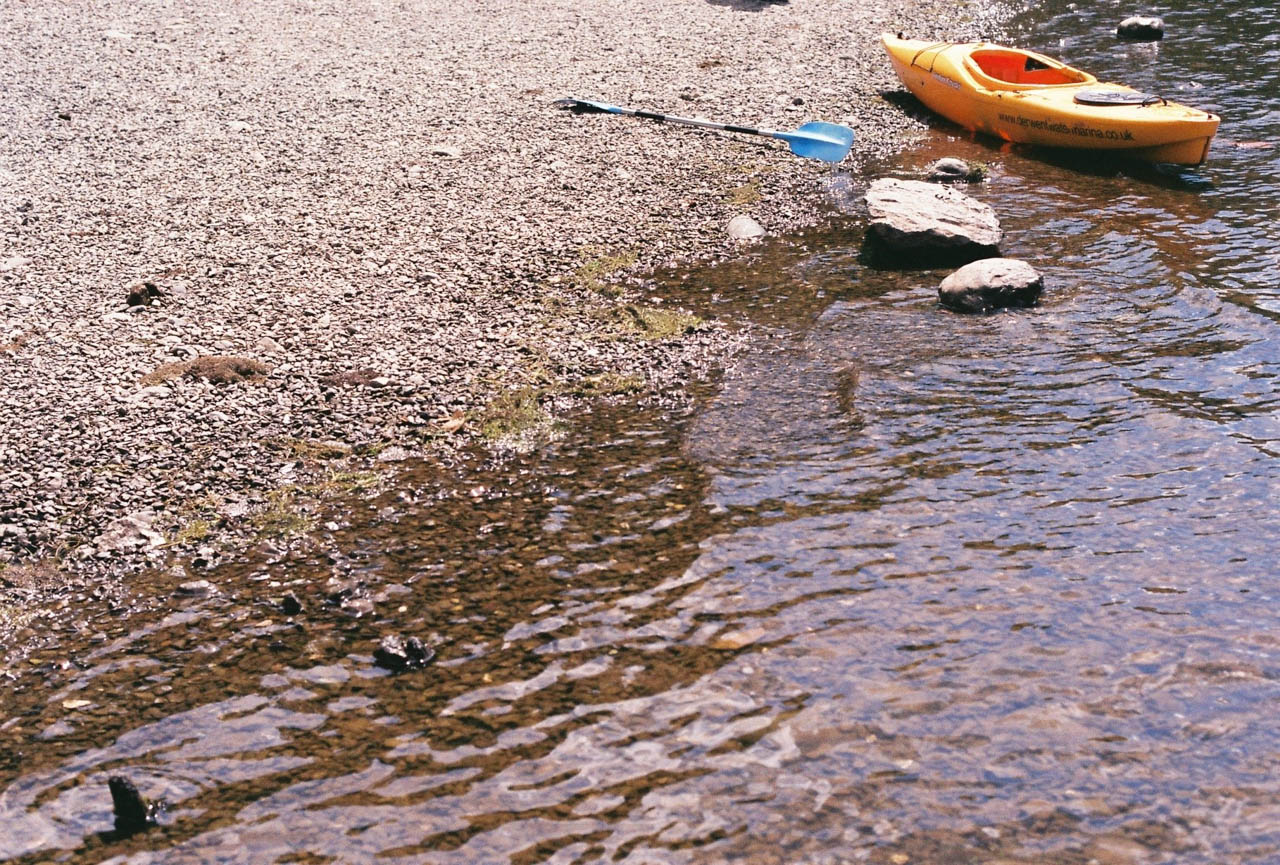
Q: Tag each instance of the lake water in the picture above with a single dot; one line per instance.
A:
(906, 586)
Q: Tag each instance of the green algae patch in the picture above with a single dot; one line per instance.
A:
(741, 196)
(286, 515)
(599, 265)
(513, 413)
(607, 385)
(217, 369)
(313, 449)
(192, 532)
(346, 482)
(658, 324)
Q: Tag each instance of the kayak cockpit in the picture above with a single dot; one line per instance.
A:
(1010, 69)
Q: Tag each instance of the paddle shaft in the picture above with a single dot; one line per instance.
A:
(691, 121)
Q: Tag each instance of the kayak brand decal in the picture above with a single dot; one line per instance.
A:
(942, 79)
(1068, 128)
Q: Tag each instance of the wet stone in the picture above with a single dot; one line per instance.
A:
(991, 283)
(132, 812)
(290, 605)
(397, 654)
(1141, 28)
(197, 589)
(915, 221)
(951, 169)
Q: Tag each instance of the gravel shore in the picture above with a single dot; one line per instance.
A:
(375, 216)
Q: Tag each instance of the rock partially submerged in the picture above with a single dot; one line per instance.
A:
(915, 221)
(1141, 28)
(290, 605)
(397, 654)
(991, 283)
(132, 812)
(950, 169)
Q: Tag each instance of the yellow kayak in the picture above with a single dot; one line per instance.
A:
(1030, 98)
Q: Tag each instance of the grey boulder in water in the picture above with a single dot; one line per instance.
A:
(1145, 28)
(991, 283)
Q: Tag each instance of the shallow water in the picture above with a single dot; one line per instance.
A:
(907, 584)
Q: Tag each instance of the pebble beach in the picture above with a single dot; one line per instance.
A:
(245, 246)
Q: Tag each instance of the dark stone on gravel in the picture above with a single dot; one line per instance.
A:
(132, 812)
(362, 377)
(398, 654)
(991, 283)
(143, 294)
(221, 369)
(290, 605)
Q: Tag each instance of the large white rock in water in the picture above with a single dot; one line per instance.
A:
(991, 283)
(924, 221)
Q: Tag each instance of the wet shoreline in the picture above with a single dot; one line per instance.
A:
(401, 272)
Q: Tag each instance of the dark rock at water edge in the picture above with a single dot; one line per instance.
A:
(1145, 28)
(950, 169)
(396, 653)
(991, 283)
(132, 812)
(919, 223)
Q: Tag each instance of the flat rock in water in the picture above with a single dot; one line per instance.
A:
(991, 283)
(915, 220)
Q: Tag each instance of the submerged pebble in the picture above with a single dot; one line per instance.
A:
(397, 653)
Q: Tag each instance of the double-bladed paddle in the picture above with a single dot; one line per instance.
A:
(829, 142)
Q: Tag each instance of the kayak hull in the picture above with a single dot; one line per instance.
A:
(1029, 98)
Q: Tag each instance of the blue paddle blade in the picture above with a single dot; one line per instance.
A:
(829, 142)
